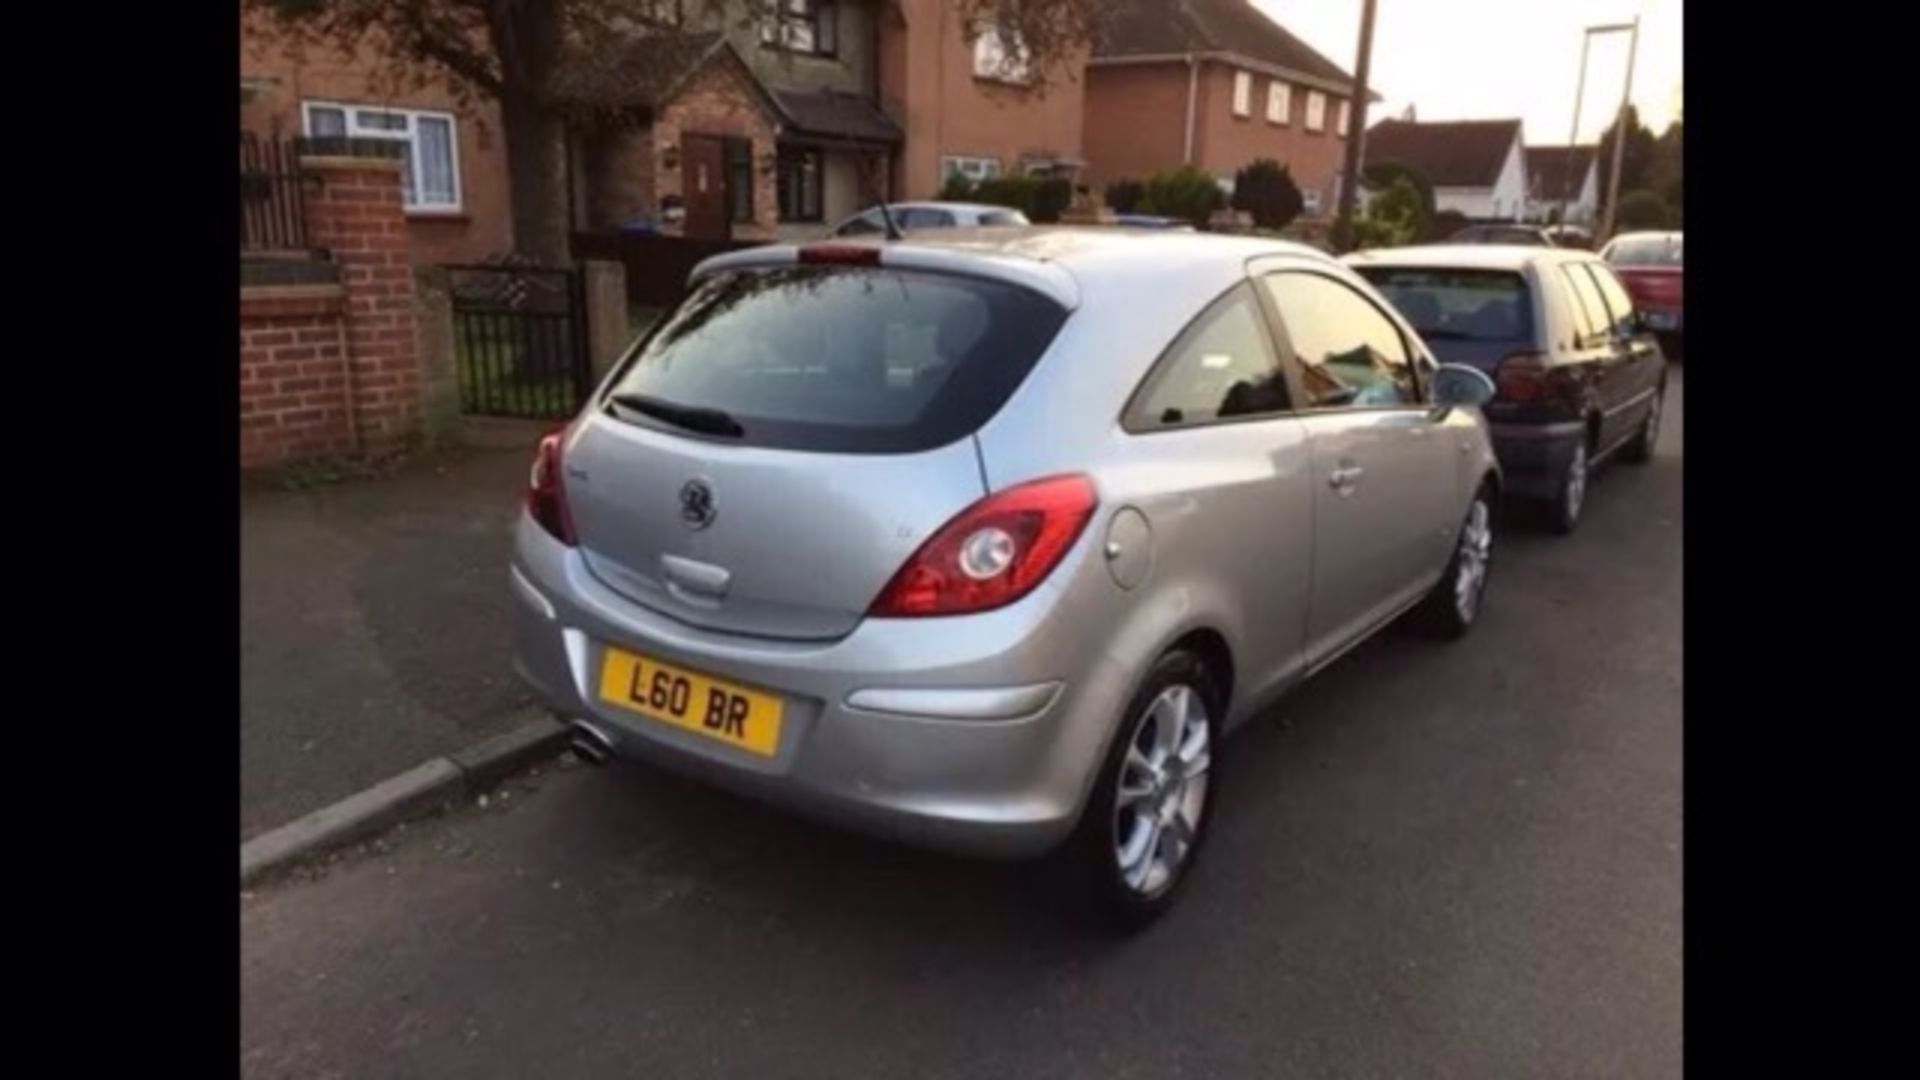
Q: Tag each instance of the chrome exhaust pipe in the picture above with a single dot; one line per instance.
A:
(589, 743)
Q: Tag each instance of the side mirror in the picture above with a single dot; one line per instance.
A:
(1458, 384)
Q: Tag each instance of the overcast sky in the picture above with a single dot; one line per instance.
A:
(1493, 59)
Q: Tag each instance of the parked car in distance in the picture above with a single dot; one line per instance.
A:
(1151, 221)
(1649, 264)
(1570, 236)
(1580, 379)
(1502, 234)
(829, 537)
(930, 215)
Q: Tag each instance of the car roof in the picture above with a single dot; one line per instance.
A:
(933, 204)
(1059, 260)
(1468, 256)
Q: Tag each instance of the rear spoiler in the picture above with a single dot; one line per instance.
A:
(1046, 279)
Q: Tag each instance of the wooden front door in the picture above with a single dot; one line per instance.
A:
(703, 179)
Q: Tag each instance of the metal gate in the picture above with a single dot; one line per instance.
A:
(520, 340)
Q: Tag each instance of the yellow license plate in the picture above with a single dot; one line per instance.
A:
(686, 699)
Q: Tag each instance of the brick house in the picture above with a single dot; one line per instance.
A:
(1564, 178)
(1478, 168)
(455, 172)
(970, 104)
(1215, 84)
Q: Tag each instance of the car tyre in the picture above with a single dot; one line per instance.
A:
(1640, 451)
(1570, 500)
(1451, 609)
(1148, 815)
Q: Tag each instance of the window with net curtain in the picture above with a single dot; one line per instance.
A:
(429, 176)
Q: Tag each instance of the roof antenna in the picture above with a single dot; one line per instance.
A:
(886, 215)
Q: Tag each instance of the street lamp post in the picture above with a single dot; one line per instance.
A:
(1579, 92)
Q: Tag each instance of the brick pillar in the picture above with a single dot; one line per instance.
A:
(355, 213)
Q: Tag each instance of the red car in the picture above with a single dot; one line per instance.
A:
(1649, 265)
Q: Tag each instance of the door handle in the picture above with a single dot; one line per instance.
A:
(1345, 477)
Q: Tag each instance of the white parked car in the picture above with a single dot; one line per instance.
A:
(930, 215)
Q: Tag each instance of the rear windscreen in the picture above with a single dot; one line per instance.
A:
(858, 359)
(1461, 305)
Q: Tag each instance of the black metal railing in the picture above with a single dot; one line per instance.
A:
(519, 340)
(272, 197)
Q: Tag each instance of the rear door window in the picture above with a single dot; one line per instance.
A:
(1222, 367)
(1590, 312)
(1619, 304)
(856, 359)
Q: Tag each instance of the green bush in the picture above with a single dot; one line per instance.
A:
(1394, 217)
(1641, 210)
(1125, 195)
(1187, 193)
(1382, 174)
(957, 188)
(1041, 198)
(1266, 190)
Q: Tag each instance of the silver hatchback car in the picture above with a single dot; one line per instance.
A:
(985, 538)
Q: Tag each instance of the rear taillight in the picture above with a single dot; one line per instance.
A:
(547, 490)
(838, 255)
(1522, 377)
(994, 552)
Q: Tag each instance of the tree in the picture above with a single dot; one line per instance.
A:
(1638, 159)
(1265, 189)
(1641, 209)
(508, 51)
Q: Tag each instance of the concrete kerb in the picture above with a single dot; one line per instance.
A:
(417, 791)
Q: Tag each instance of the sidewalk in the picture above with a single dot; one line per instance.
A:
(374, 633)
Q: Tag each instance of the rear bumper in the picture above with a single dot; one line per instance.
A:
(969, 734)
(1534, 457)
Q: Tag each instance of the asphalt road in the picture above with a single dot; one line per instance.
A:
(1434, 860)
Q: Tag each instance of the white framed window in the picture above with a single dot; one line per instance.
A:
(1316, 111)
(1279, 102)
(1242, 93)
(802, 26)
(973, 168)
(1346, 109)
(1310, 200)
(430, 145)
(1000, 56)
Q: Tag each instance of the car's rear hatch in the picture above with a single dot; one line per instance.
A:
(1466, 315)
(787, 438)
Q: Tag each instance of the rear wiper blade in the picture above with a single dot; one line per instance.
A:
(690, 417)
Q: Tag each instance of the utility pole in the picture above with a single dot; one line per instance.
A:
(1573, 137)
(1356, 133)
(1620, 139)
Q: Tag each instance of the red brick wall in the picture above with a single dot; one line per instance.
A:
(927, 84)
(1136, 118)
(1224, 142)
(356, 215)
(1136, 124)
(367, 75)
(335, 369)
(293, 378)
